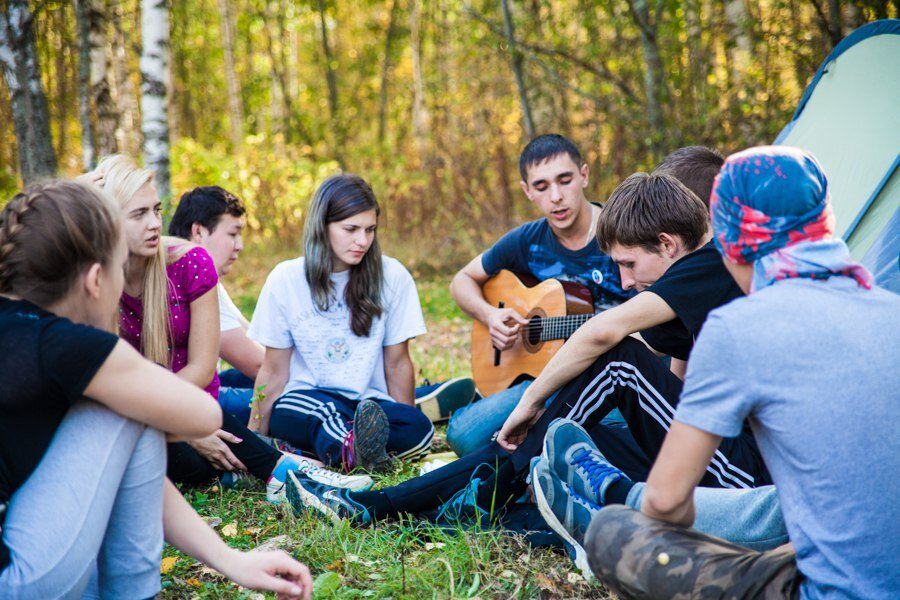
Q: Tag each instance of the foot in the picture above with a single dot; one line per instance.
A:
(572, 455)
(355, 483)
(566, 513)
(304, 494)
(451, 395)
(366, 444)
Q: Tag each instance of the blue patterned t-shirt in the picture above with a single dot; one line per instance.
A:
(533, 249)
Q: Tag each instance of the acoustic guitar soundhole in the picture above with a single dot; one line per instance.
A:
(531, 334)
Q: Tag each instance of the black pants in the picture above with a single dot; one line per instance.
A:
(628, 377)
(187, 466)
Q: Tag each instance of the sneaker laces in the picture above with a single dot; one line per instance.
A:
(582, 500)
(598, 471)
(348, 458)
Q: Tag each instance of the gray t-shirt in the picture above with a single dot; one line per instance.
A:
(813, 366)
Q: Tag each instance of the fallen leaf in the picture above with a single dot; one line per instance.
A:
(432, 546)
(507, 574)
(213, 521)
(229, 530)
(251, 531)
(193, 581)
(545, 582)
(337, 565)
(574, 577)
(167, 563)
(279, 542)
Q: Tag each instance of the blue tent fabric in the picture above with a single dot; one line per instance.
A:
(883, 258)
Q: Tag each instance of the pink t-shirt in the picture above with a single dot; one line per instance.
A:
(190, 277)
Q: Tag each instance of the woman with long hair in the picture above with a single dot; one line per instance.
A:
(169, 311)
(83, 419)
(337, 378)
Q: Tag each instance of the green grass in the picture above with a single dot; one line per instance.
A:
(398, 559)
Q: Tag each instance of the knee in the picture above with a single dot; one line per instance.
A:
(606, 540)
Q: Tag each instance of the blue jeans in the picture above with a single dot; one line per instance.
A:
(747, 517)
(90, 513)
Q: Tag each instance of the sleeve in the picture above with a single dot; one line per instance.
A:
(270, 325)
(72, 354)
(403, 314)
(716, 397)
(507, 253)
(196, 273)
(228, 312)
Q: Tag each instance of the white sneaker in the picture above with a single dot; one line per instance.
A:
(354, 483)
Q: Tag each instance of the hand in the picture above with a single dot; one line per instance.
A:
(91, 178)
(214, 449)
(270, 571)
(504, 325)
(517, 425)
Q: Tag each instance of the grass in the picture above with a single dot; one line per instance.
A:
(393, 560)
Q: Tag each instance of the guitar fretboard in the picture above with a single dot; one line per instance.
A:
(554, 328)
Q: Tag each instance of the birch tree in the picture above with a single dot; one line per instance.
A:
(154, 94)
(101, 75)
(22, 73)
(235, 106)
(83, 22)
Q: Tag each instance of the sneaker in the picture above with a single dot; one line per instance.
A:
(366, 444)
(568, 514)
(237, 480)
(449, 396)
(354, 483)
(280, 445)
(462, 509)
(575, 459)
(304, 494)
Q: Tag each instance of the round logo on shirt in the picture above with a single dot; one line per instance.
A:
(337, 350)
(597, 276)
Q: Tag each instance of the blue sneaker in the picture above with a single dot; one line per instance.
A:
(566, 513)
(462, 509)
(575, 459)
(446, 398)
(305, 494)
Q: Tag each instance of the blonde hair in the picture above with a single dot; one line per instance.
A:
(122, 179)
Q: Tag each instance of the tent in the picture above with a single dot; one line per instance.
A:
(849, 119)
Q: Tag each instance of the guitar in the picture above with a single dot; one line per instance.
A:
(554, 309)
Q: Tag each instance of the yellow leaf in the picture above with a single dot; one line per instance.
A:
(229, 530)
(167, 563)
(194, 582)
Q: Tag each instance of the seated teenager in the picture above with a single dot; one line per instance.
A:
(491, 478)
(83, 420)
(560, 245)
(169, 312)
(809, 358)
(336, 324)
(213, 218)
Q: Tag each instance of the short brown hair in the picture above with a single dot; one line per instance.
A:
(646, 205)
(694, 166)
(49, 234)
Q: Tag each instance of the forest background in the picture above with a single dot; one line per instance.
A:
(431, 101)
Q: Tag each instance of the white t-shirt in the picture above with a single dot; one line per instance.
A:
(229, 314)
(326, 353)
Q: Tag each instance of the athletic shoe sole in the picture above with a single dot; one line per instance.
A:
(581, 559)
(370, 435)
(447, 398)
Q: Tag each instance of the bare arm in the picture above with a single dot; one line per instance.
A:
(272, 571)
(244, 354)
(273, 376)
(592, 339)
(203, 340)
(503, 323)
(400, 373)
(678, 368)
(134, 387)
(682, 460)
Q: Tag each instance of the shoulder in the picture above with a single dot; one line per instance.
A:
(288, 270)
(180, 252)
(395, 273)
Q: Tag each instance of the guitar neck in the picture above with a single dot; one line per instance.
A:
(558, 328)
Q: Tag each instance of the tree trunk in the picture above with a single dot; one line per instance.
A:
(22, 73)
(154, 93)
(516, 59)
(60, 25)
(126, 132)
(101, 74)
(331, 79)
(83, 22)
(386, 68)
(654, 74)
(235, 105)
(420, 113)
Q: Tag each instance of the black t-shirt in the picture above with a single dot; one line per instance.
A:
(46, 362)
(693, 286)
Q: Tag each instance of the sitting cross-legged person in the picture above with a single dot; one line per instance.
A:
(809, 359)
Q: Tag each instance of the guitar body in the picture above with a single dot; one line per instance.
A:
(529, 354)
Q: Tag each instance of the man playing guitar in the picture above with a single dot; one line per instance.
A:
(561, 245)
